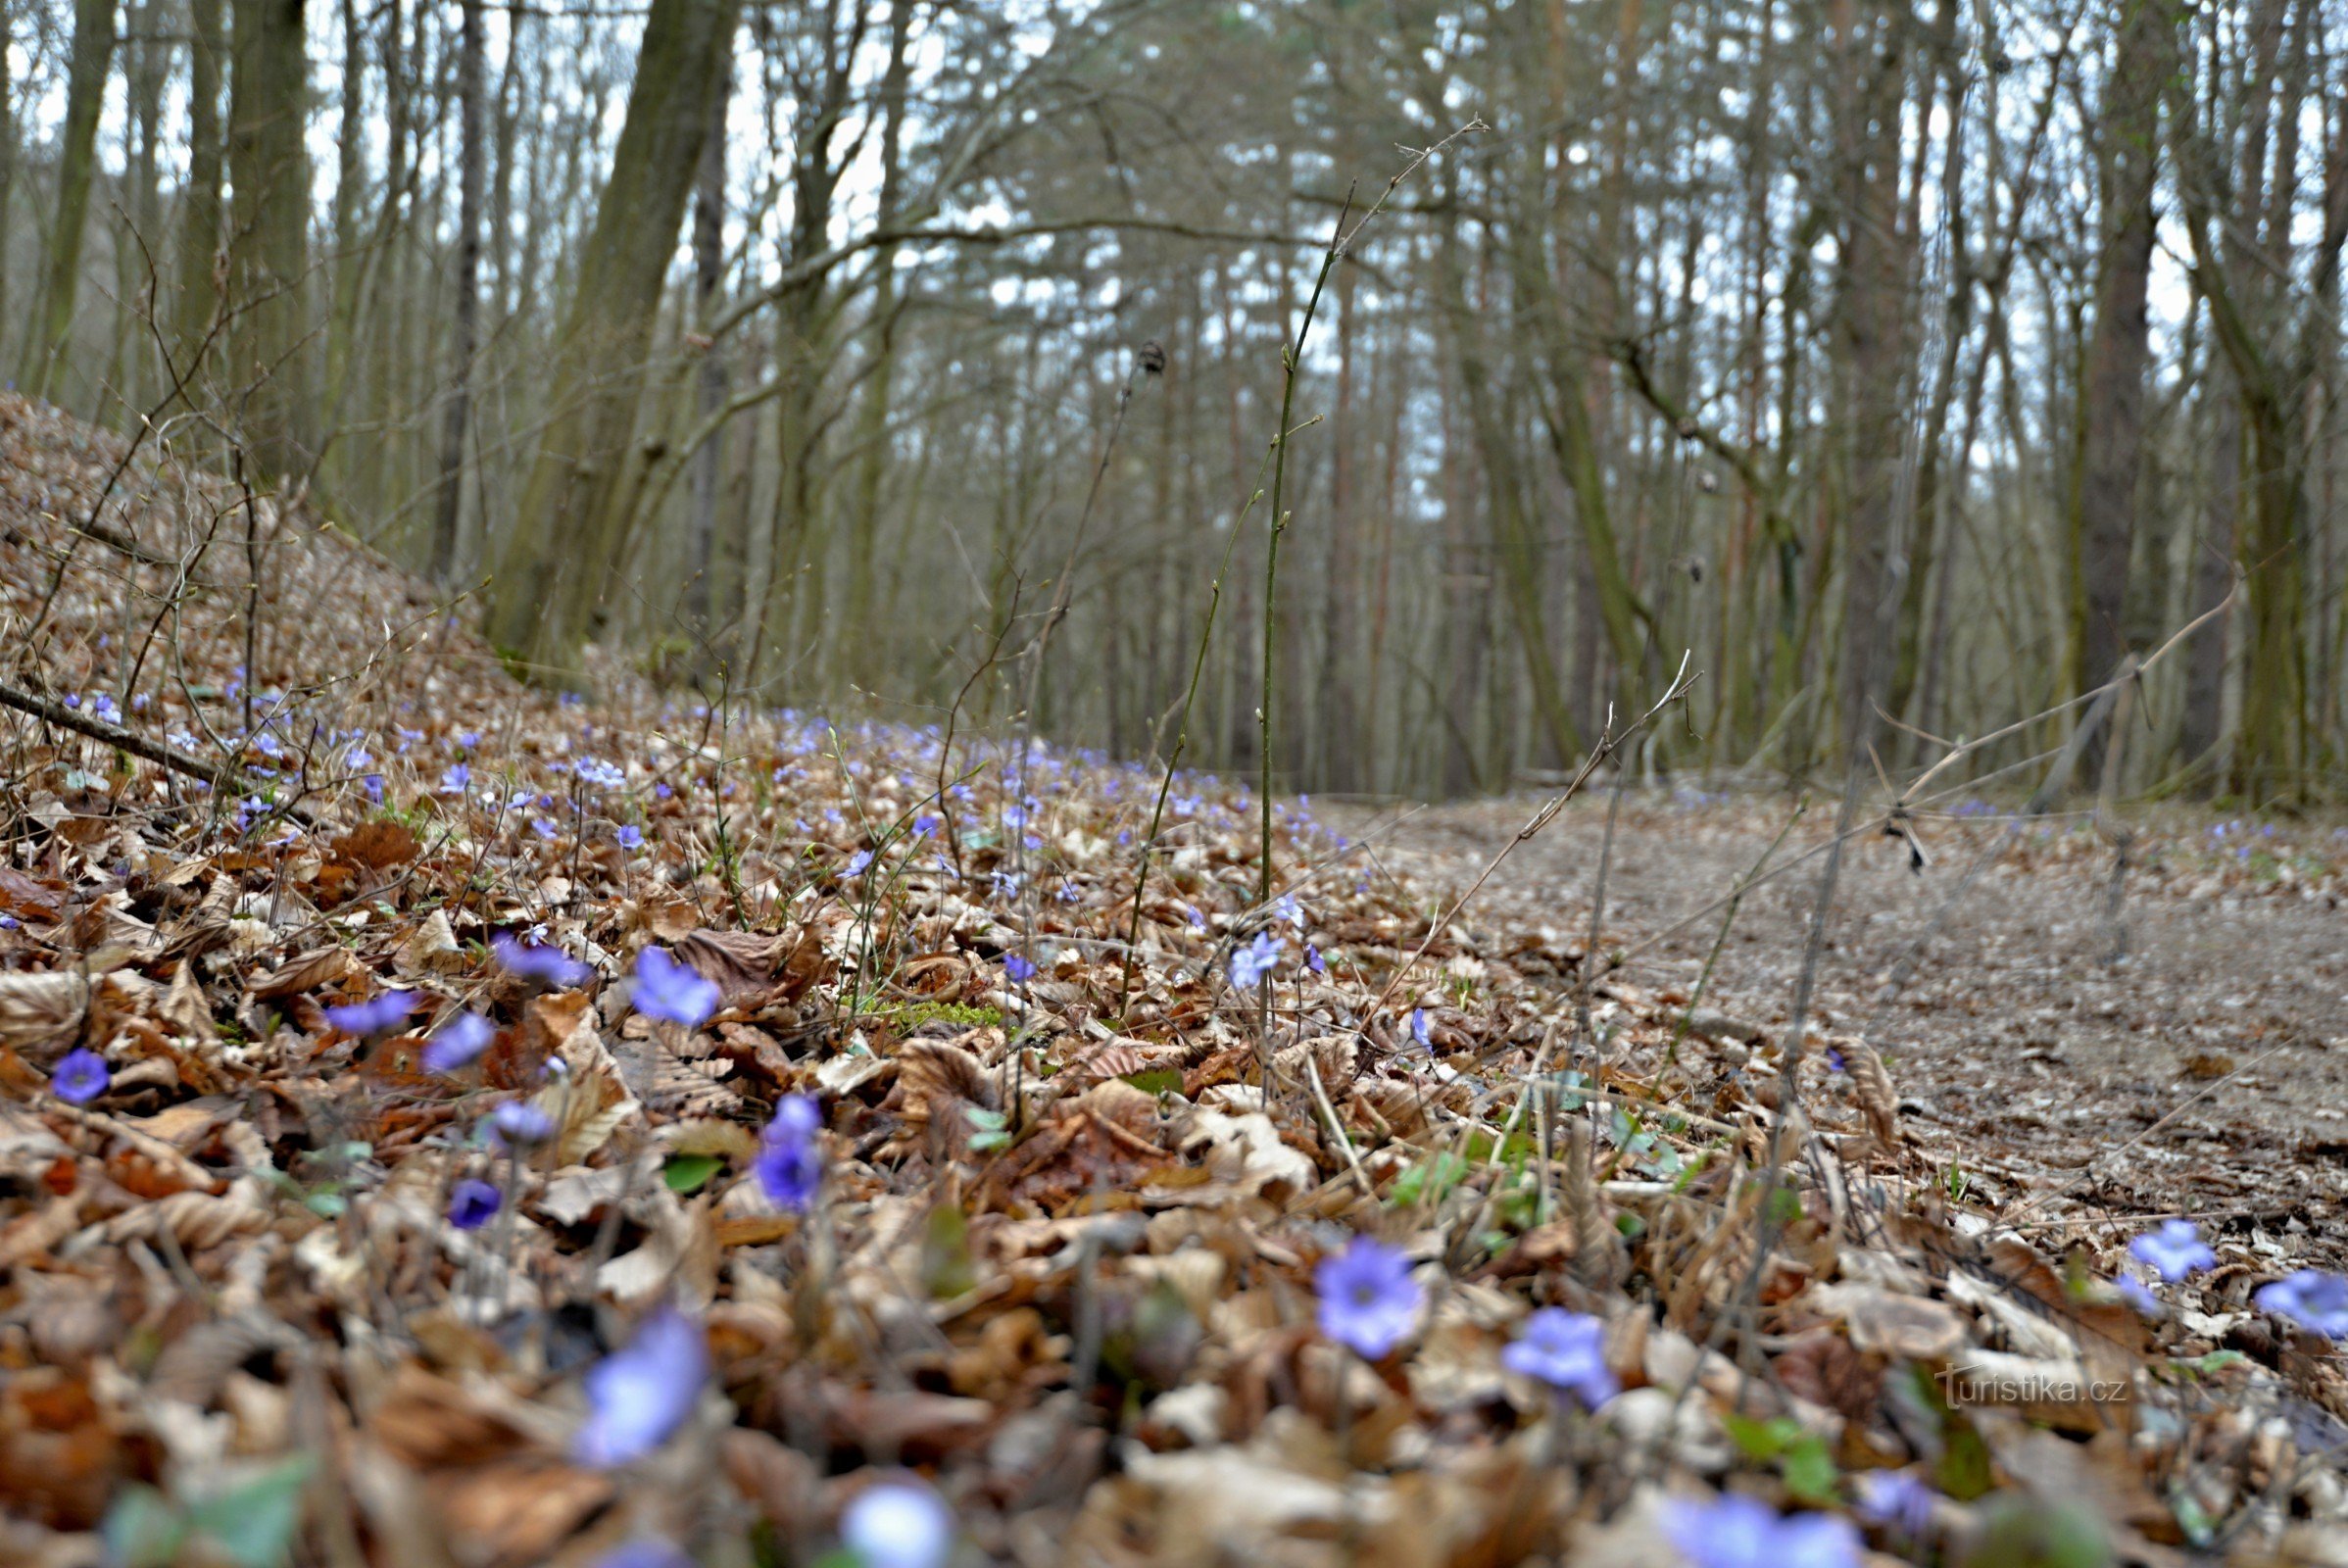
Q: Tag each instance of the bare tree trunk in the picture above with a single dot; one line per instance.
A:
(86, 71)
(198, 297)
(872, 420)
(1340, 594)
(2111, 392)
(710, 384)
(8, 158)
(269, 174)
(458, 415)
(1873, 341)
(559, 553)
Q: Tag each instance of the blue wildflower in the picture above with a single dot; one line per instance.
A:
(638, 1396)
(667, 989)
(459, 1041)
(548, 965)
(378, 1017)
(517, 1123)
(2312, 1299)
(473, 1203)
(1897, 1500)
(1250, 965)
(1018, 969)
(1567, 1350)
(898, 1524)
(79, 1077)
(2174, 1251)
(790, 1159)
(1740, 1531)
(1368, 1301)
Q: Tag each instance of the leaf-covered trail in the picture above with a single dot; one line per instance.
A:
(2191, 1058)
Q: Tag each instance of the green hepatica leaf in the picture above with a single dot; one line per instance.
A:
(1157, 1081)
(687, 1173)
(142, 1529)
(255, 1524)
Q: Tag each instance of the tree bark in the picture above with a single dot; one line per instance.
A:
(474, 133)
(87, 70)
(198, 302)
(2112, 391)
(559, 552)
(269, 174)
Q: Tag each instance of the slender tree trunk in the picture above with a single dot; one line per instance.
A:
(473, 153)
(87, 70)
(198, 294)
(872, 420)
(1873, 343)
(2112, 391)
(710, 384)
(269, 173)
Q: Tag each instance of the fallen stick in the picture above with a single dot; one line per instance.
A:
(222, 775)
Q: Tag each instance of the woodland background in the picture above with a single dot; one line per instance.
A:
(1911, 366)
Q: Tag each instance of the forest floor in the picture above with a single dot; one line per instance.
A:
(2182, 1051)
(450, 1124)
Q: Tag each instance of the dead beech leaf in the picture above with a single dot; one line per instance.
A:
(741, 964)
(1908, 1327)
(427, 1421)
(305, 973)
(41, 1009)
(29, 897)
(506, 1515)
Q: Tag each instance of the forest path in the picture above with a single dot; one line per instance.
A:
(2021, 1048)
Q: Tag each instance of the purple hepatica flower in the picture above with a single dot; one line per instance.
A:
(455, 780)
(638, 1396)
(790, 1162)
(458, 1043)
(667, 989)
(1566, 1350)
(517, 1123)
(898, 1524)
(548, 965)
(2174, 1251)
(1018, 969)
(644, 1554)
(381, 1015)
(630, 836)
(1368, 1299)
(2311, 1298)
(473, 1204)
(857, 863)
(925, 824)
(1897, 1500)
(1252, 962)
(1418, 1029)
(2138, 1294)
(1313, 959)
(79, 1078)
(1740, 1531)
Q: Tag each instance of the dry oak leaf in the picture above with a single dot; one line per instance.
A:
(41, 1009)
